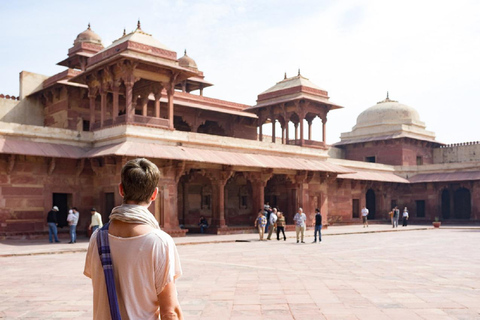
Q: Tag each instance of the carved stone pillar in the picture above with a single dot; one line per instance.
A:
(167, 209)
(129, 80)
(115, 90)
(145, 104)
(303, 179)
(302, 140)
(218, 209)
(324, 130)
(168, 201)
(103, 106)
(273, 129)
(170, 92)
(219, 180)
(286, 133)
(296, 132)
(310, 130)
(259, 182)
(129, 110)
(158, 95)
(92, 98)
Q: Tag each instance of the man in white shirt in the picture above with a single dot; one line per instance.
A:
(300, 225)
(72, 219)
(144, 258)
(272, 221)
(364, 216)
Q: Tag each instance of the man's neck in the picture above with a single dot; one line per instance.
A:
(143, 204)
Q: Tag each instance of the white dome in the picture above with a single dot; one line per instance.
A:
(388, 112)
(386, 120)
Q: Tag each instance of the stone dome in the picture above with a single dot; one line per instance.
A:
(88, 36)
(388, 112)
(387, 119)
(187, 62)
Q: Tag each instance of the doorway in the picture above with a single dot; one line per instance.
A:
(63, 201)
(462, 203)
(109, 205)
(445, 204)
(370, 203)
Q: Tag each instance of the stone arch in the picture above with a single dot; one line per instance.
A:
(276, 194)
(371, 203)
(212, 127)
(462, 203)
(181, 125)
(194, 198)
(238, 201)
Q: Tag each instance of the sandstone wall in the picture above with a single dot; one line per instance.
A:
(459, 152)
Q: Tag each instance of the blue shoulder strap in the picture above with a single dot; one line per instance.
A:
(106, 259)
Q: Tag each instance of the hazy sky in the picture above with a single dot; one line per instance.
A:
(425, 53)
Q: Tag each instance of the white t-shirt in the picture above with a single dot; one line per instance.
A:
(273, 218)
(364, 212)
(142, 265)
(72, 218)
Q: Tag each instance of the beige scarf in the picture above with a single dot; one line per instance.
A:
(132, 213)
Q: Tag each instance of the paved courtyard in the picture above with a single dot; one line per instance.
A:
(415, 274)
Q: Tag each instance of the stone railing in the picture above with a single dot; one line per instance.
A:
(460, 144)
(137, 120)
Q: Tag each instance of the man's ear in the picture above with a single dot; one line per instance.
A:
(120, 190)
(154, 194)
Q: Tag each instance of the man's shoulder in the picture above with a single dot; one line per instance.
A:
(162, 236)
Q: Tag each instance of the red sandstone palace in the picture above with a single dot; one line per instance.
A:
(65, 138)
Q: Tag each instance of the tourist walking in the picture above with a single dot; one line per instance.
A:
(318, 226)
(404, 217)
(144, 258)
(96, 221)
(267, 212)
(396, 214)
(72, 219)
(390, 214)
(52, 224)
(272, 221)
(364, 216)
(300, 225)
(281, 226)
(260, 223)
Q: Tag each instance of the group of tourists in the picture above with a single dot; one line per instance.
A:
(72, 219)
(270, 219)
(394, 216)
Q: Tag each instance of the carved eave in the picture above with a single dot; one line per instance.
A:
(51, 166)
(11, 163)
(80, 167)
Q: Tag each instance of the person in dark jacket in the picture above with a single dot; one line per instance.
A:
(52, 224)
(318, 226)
(203, 224)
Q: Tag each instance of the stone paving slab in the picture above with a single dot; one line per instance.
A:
(421, 274)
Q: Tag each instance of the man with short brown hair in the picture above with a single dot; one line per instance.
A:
(144, 258)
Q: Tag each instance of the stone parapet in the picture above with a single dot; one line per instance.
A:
(457, 152)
